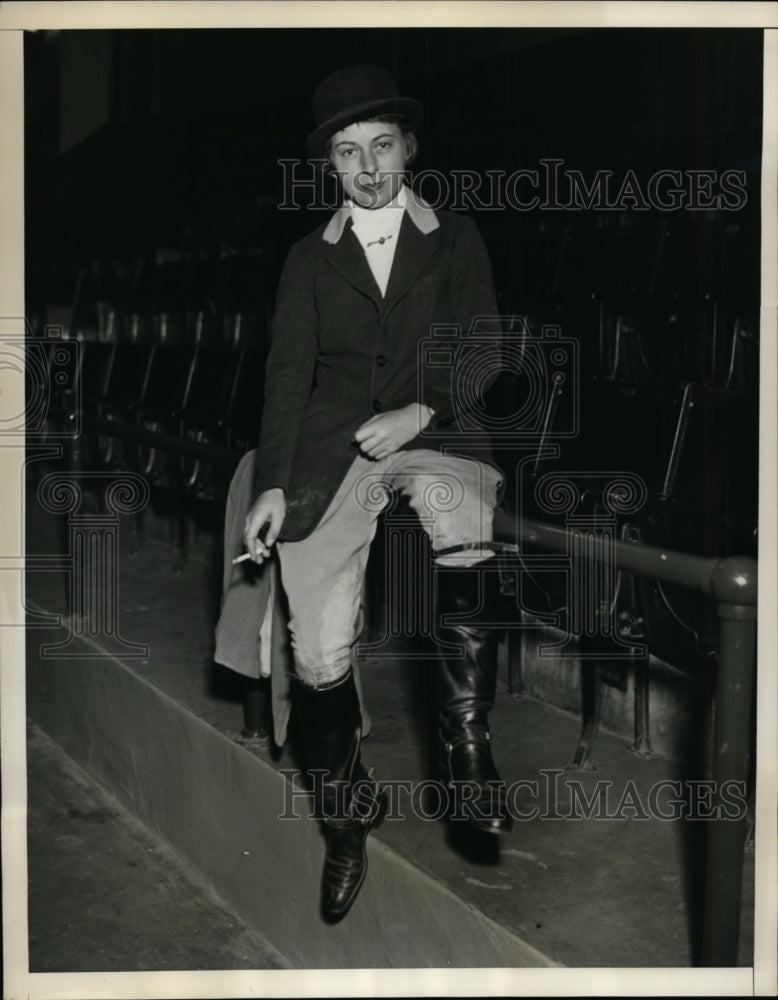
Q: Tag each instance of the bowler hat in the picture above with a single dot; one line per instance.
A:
(353, 94)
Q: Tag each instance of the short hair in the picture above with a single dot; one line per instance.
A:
(390, 118)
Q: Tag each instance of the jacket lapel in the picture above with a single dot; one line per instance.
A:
(348, 258)
(413, 250)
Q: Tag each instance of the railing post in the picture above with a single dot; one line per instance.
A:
(734, 587)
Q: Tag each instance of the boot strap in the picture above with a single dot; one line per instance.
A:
(464, 739)
(495, 546)
(363, 808)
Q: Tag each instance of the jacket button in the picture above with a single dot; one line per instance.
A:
(381, 360)
(376, 406)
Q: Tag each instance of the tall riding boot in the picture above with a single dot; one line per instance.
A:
(345, 796)
(467, 684)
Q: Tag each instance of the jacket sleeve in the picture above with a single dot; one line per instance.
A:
(289, 373)
(476, 315)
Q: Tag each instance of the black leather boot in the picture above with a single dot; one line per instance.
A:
(467, 686)
(346, 797)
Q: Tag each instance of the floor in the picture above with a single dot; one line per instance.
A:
(620, 888)
(105, 895)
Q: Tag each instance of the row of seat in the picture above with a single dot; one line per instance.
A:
(121, 397)
(645, 302)
(667, 299)
(694, 450)
(687, 470)
(558, 258)
(713, 349)
(706, 345)
(672, 259)
(697, 446)
(224, 300)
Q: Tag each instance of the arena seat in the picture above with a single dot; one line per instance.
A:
(164, 398)
(103, 299)
(708, 506)
(95, 361)
(245, 410)
(60, 285)
(156, 310)
(205, 312)
(122, 396)
(205, 418)
(247, 302)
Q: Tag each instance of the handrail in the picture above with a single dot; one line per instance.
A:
(162, 440)
(732, 579)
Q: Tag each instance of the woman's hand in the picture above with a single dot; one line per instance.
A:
(386, 433)
(269, 509)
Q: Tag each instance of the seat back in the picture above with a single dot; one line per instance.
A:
(167, 385)
(211, 386)
(245, 411)
(125, 386)
(708, 506)
(97, 360)
(713, 471)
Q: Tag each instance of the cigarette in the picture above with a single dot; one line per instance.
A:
(243, 558)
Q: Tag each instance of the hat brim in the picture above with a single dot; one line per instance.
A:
(316, 142)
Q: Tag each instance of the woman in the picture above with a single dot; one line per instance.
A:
(360, 393)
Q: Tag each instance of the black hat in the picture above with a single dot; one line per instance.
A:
(353, 94)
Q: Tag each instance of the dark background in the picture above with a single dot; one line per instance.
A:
(153, 184)
(141, 139)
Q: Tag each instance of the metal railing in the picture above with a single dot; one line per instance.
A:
(732, 584)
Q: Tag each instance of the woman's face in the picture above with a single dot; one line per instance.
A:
(370, 159)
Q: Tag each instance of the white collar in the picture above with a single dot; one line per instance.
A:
(387, 219)
(420, 213)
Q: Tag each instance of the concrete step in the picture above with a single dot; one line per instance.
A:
(218, 805)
